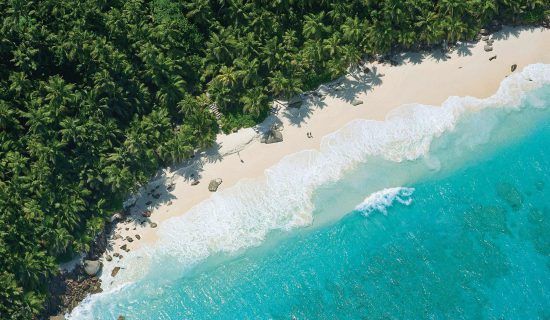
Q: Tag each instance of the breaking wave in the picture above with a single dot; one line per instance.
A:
(381, 200)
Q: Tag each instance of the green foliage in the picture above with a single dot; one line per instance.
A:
(95, 96)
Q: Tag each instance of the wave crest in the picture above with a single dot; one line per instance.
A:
(383, 199)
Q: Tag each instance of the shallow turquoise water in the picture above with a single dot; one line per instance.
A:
(472, 241)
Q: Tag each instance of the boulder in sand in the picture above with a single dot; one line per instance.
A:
(488, 48)
(492, 58)
(357, 102)
(115, 271)
(295, 102)
(115, 217)
(92, 267)
(214, 184)
(272, 136)
(513, 67)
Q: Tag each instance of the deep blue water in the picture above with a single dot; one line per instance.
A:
(473, 243)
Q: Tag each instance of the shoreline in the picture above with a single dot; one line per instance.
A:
(424, 78)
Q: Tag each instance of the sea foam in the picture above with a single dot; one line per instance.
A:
(382, 200)
(241, 216)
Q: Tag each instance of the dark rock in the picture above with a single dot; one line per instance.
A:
(214, 184)
(170, 186)
(484, 32)
(169, 203)
(485, 38)
(120, 318)
(115, 217)
(138, 237)
(124, 247)
(58, 317)
(146, 213)
(513, 67)
(194, 183)
(116, 254)
(129, 239)
(148, 202)
(153, 225)
(488, 48)
(115, 271)
(108, 258)
(539, 185)
(490, 42)
(295, 102)
(492, 58)
(92, 267)
(357, 102)
(272, 136)
(156, 195)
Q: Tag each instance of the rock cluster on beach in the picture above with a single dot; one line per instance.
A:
(214, 184)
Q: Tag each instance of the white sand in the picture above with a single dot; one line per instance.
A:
(427, 79)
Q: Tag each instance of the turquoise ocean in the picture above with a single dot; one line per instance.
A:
(435, 213)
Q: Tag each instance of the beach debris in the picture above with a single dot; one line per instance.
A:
(357, 102)
(138, 237)
(115, 217)
(115, 271)
(513, 67)
(92, 267)
(195, 182)
(272, 136)
(510, 194)
(488, 48)
(153, 225)
(146, 213)
(492, 58)
(214, 184)
(108, 258)
(129, 239)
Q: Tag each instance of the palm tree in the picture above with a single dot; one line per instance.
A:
(314, 27)
(254, 101)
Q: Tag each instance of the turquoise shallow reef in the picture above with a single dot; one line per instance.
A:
(459, 232)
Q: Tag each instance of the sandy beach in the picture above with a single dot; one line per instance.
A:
(426, 78)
